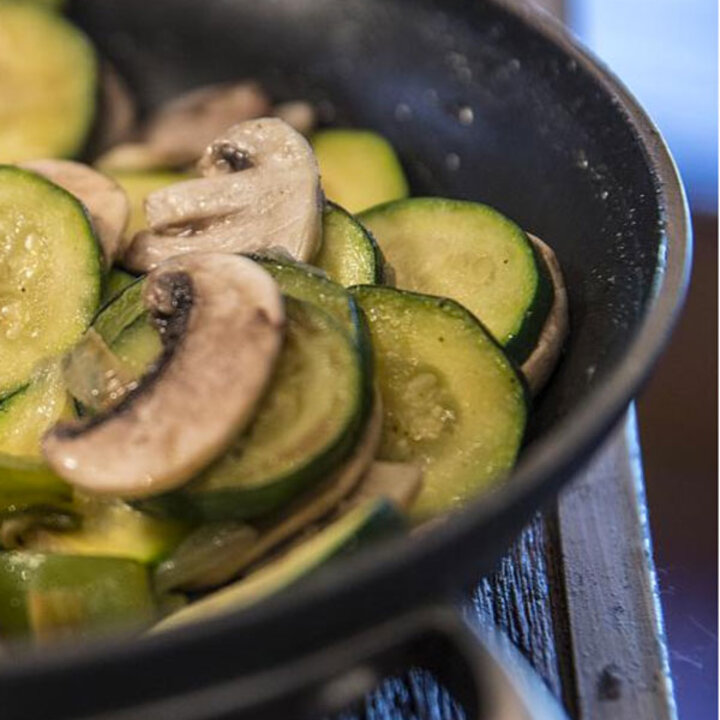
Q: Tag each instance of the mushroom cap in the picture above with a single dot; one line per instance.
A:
(221, 318)
(261, 190)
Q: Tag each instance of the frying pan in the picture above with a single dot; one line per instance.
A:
(556, 143)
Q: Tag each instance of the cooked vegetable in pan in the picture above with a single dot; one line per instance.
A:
(232, 348)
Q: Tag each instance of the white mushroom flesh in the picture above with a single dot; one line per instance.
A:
(222, 319)
(261, 191)
(538, 368)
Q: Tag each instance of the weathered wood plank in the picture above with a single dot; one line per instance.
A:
(614, 618)
(576, 594)
(518, 598)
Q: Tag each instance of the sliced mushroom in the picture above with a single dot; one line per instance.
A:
(140, 157)
(188, 124)
(104, 199)
(210, 559)
(539, 366)
(261, 190)
(299, 114)
(221, 319)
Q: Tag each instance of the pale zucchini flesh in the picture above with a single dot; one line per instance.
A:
(471, 253)
(48, 75)
(46, 240)
(453, 402)
(27, 415)
(358, 168)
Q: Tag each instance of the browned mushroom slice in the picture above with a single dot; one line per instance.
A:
(189, 123)
(261, 190)
(221, 319)
(104, 199)
(539, 366)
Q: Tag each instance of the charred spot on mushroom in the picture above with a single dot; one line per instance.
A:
(228, 158)
(168, 300)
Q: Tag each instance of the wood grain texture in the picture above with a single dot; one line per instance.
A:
(614, 616)
(577, 595)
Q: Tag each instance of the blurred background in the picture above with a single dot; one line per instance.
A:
(666, 53)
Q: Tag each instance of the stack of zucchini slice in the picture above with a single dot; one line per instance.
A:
(215, 375)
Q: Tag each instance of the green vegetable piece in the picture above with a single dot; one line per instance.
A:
(358, 168)
(370, 521)
(55, 597)
(470, 253)
(45, 239)
(348, 255)
(47, 84)
(452, 401)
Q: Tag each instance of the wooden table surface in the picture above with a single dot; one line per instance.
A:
(577, 595)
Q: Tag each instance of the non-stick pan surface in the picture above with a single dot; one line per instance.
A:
(483, 100)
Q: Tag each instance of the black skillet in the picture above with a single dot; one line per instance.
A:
(556, 143)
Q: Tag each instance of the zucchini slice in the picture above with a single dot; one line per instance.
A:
(348, 255)
(358, 168)
(453, 402)
(28, 483)
(121, 312)
(215, 554)
(26, 415)
(138, 347)
(116, 281)
(305, 283)
(316, 399)
(110, 528)
(50, 273)
(470, 253)
(54, 597)
(366, 523)
(47, 84)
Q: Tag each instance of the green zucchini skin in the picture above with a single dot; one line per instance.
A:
(319, 366)
(362, 525)
(452, 400)
(48, 239)
(349, 254)
(305, 283)
(471, 253)
(521, 345)
(115, 282)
